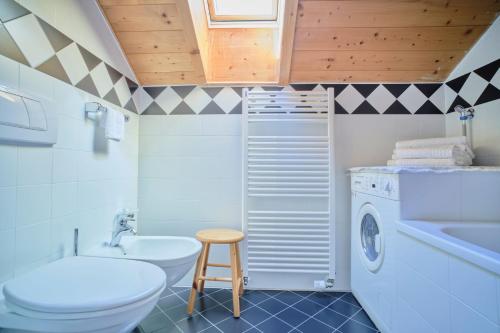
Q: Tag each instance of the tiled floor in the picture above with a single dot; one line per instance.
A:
(262, 311)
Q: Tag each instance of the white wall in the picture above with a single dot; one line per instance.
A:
(190, 172)
(81, 181)
(83, 22)
(190, 176)
(485, 127)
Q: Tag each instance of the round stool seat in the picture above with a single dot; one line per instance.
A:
(219, 236)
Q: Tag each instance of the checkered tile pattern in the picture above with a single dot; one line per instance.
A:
(477, 87)
(262, 311)
(349, 98)
(26, 38)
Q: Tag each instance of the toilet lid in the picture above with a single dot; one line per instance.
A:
(84, 284)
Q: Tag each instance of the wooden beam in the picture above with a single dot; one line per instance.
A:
(109, 3)
(190, 35)
(287, 40)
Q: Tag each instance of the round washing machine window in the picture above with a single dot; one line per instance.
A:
(371, 237)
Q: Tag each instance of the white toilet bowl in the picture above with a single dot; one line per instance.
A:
(82, 294)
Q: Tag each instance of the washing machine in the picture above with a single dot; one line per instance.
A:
(375, 210)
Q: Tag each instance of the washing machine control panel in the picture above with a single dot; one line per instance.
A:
(379, 184)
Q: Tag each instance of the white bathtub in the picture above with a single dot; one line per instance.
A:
(476, 242)
(175, 255)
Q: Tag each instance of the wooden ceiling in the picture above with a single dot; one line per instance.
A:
(323, 41)
(385, 40)
(158, 39)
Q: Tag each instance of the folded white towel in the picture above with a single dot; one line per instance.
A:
(456, 140)
(113, 123)
(429, 162)
(445, 151)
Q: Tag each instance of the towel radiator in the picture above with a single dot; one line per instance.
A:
(288, 192)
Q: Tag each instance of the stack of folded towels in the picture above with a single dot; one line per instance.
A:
(451, 151)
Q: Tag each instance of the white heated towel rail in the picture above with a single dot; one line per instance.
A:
(288, 187)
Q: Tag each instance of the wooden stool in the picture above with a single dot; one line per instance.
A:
(218, 236)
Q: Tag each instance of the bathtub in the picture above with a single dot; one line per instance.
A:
(175, 255)
(476, 242)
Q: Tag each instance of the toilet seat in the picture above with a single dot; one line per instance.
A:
(77, 292)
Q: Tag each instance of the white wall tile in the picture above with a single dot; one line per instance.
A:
(36, 83)
(35, 166)
(8, 167)
(33, 204)
(7, 249)
(32, 244)
(10, 72)
(65, 166)
(7, 207)
(64, 199)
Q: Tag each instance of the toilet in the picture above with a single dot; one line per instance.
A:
(82, 294)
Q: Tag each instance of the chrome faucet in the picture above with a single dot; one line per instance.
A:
(121, 226)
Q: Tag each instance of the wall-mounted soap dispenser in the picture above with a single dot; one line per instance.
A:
(23, 118)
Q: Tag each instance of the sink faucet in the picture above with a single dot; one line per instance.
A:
(121, 226)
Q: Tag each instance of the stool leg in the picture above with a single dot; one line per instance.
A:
(235, 270)
(201, 284)
(192, 295)
(240, 270)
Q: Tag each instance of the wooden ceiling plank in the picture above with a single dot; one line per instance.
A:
(134, 42)
(287, 41)
(163, 78)
(375, 60)
(144, 18)
(396, 39)
(366, 76)
(165, 62)
(378, 13)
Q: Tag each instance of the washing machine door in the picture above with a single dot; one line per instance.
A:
(371, 237)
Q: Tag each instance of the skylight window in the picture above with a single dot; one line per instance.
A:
(242, 11)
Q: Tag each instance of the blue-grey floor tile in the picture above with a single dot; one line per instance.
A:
(194, 324)
(347, 309)
(363, 318)
(303, 293)
(184, 294)
(274, 325)
(211, 290)
(288, 297)
(166, 292)
(173, 329)
(314, 326)
(217, 314)
(324, 298)
(272, 306)
(222, 295)
(349, 297)
(352, 326)
(233, 325)
(179, 289)
(205, 303)
(331, 318)
(253, 330)
(169, 302)
(244, 304)
(178, 313)
(271, 292)
(155, 322)
(292, 316)
(255, 296)
(308, 307)
(210, 329)
(255, 315)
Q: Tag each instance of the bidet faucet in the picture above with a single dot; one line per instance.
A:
(121, 226)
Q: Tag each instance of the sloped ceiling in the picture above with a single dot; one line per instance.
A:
(335, 41)
(385, 40)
